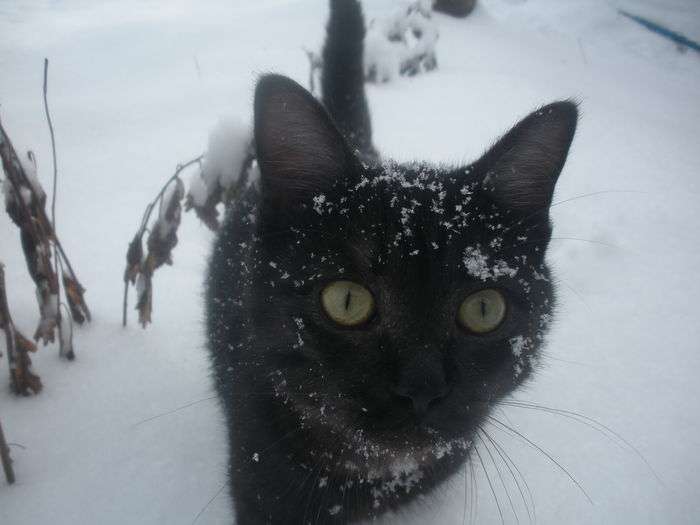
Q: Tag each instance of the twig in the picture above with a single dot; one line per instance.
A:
(6, 459)
(22, 378)
(24, 204)
(53, 148)
(315, 64)
(35, 226)
(135, 264)
(71, 284)
(125, 303)
(178, 170)
(65, 344)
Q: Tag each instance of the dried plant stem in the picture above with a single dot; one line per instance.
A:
(152, 204)
(68, 353)
(38, 230)
(58, 248)
(53, 149)
(23, 380)
(315, 64)
(6, 459)
(35, 233)
(162, 237)
(135, 264)
(125, 303)
(8, 328)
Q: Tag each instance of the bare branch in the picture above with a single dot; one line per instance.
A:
(224, 183)
(5, 458)
(25, 202)
(72, 288)
(23, 380)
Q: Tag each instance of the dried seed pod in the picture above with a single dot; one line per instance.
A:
(49, 313)
(144, 303)
(134, 256)
(23, 379)
(74, 292)
(163, 236)
(207, 212)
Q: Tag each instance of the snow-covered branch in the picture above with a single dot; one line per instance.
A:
(22, 378)
(227, 167)
(25, 203)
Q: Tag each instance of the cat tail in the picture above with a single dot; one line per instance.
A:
(342, 81)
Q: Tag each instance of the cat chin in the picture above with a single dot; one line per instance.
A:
(393, 469)
(383, 457)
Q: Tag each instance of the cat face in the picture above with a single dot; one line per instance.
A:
(392, 304)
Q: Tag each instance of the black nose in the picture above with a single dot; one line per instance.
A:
(423, 380)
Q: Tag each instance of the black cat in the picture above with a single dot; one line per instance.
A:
(365, 316)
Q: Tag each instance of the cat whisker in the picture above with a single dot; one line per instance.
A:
(548, 356)
(592, 241)
(473, 495)
(592, 423)
(278, 441)
(579, 239)
(330, 481)
(318, 472)
(211, 500)
(593, 194)
(508, 461)
(488, 479)
(466, 491)
(513, 431)
(505, 416)
(570, 199)
(198, 401)
(500, 476)
(576, 293)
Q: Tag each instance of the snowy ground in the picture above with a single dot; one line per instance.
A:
(134, 89)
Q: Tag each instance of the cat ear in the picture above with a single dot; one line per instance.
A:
(300, 152)
(523, 166)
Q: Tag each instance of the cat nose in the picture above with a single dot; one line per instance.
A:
(422, 380)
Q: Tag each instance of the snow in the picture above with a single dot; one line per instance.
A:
(227, 149)
(28, 163)
(131, 433)
(390, 42)
(477, 264)
(173, 194)
(382, 57)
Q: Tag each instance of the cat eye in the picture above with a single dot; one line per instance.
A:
(482, 311)
(347, 303)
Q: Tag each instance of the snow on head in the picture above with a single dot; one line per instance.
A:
(477, 264)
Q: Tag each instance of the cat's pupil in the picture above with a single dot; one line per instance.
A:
(483, 308)
(348, 297)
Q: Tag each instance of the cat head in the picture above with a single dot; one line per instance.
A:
(395, 303)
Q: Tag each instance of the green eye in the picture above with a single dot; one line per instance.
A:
(347, 303)
(482, 311)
